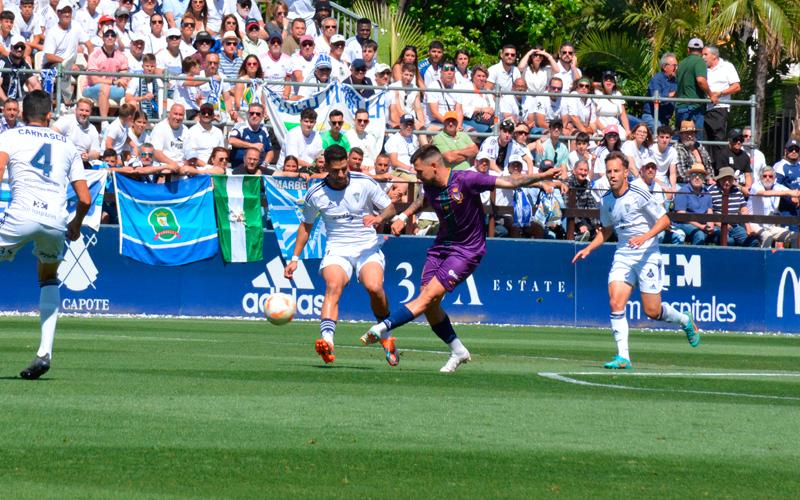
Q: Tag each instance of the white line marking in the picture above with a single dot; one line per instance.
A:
(685, 374)
(561, 378)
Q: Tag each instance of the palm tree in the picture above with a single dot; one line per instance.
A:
(774, 24)
(396, 29)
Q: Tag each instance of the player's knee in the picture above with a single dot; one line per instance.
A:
(652, 311)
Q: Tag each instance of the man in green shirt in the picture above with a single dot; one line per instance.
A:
(458, 150)
(692, 84)
(335, 135)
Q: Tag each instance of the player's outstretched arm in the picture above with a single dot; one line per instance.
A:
(526, 180)
(81, 209)
(661, 224)
(599, 239)
(300, 241)
(402, 219)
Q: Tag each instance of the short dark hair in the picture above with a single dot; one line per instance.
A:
(10, 100)
(617, 155)
(36, 106)
(364, 20)
(307, 114)
(109, 152)
(664, 130)
(509, 46)
(149, 58)
(335, 112)
(7, 14)
(425, 153)
(361, 110)
(582, 137)
(436, 44)
(334, 153)
(357, 151)
(370, 43)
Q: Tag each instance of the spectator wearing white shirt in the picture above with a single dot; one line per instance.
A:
(277, 66)
(135, 53)
(140, 20)
(637, 149)
(168, 137)
(156, 37)
(401, 102)
(757, 159)
(520, 108)
(203, 137)
(88, 16)
(61, 44)
(503, 74)
(581, 109)
(439, 103)
(116, 135)
(76, 127)
(766, 195)
(30, 26)
(340, 68)
(170, 59)
(302, 63)
(665, 156)
(400, 146)
(723, 82)
(352, 48)
(567, 65)
(360, 137)
(303, 142)
(323, 41)
(549, 108)
(478, 107)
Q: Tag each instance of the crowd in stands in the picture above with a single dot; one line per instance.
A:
(573, 126)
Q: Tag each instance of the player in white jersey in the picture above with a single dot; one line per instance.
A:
(637, 217)
(350, 204)
(40, 164)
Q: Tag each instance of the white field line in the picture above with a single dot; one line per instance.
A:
(562, 378)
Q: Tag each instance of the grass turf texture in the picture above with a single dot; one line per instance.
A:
(189, 408)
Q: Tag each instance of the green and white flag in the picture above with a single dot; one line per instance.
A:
(237, 199)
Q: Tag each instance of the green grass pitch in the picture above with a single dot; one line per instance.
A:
(146, 408)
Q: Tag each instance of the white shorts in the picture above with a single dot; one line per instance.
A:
(644, 270)
(48, 242)
(355, 262)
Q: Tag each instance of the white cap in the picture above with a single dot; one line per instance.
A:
(515, 158)
(229, 34)
(338, 38)
(63, 4)
(483, 155)
(173, 32)
(381, 67)
(137, 37)
(16, 40)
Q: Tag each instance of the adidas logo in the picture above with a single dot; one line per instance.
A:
(272, 280)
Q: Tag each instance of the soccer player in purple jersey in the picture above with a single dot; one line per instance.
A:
(461, 243)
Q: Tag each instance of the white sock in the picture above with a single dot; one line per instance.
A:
(456, 347)
(49, 297)
(381, 330)
(671, 315)
(619, 325)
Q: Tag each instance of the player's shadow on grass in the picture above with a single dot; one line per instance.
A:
(17, 377)
(349, 367)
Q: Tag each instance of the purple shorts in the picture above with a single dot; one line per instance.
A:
(449, 267)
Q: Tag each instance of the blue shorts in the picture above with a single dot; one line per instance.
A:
(93, 92)
(448, 267)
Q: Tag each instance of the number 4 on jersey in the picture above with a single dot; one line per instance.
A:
(41, 160)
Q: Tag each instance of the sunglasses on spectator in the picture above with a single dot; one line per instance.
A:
(19, 47)
(254, 28)
(252, 65)
(556, 89)
(173, 37)
(362, 120)
(156, 21)
(510, 54)
(221, 158)
(280, 14)
(110, 35)
(211, 62)
(206, 113)
(337, 122)
(255, 113)
(583, 85)
(448, 67)
(747, 136)
(767, 176)
(697, 175)
(520, 132)
(145, 155)
(567, 52)
(793, 150)
(307, 44)
(329, 27)
(232, 43)
(359, 70)
(187, 25)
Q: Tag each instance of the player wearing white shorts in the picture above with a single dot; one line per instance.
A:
(40, 164)
(350, 205)
(637, 217)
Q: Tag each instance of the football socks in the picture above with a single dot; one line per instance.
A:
(619, 325)
(48, 314)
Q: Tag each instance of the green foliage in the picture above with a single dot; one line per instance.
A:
(396, 30)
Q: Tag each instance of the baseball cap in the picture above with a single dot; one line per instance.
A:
(337, 38)
(228, 35)
(545, 165)
(122, 11)
(735, 133)
(105, 19)
(25, 2)
(203, 36)
(173, 32)
(407, 118)
(322, 5)
(450, 115)
(251, 21)
(507, 125)
(306, 38)
(611, 129)
(792, 143)
(137, 37)
(63, 4)
(609, 74)
(515, 158)
(358, 64)
(650, 163)
(483, 155)
(695, 43)
(323, 61)
(274, 35)
(381, 68)
(16, 40)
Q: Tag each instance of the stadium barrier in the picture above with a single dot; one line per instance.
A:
(519, 282)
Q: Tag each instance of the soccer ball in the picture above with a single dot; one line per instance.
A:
(279, 308)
